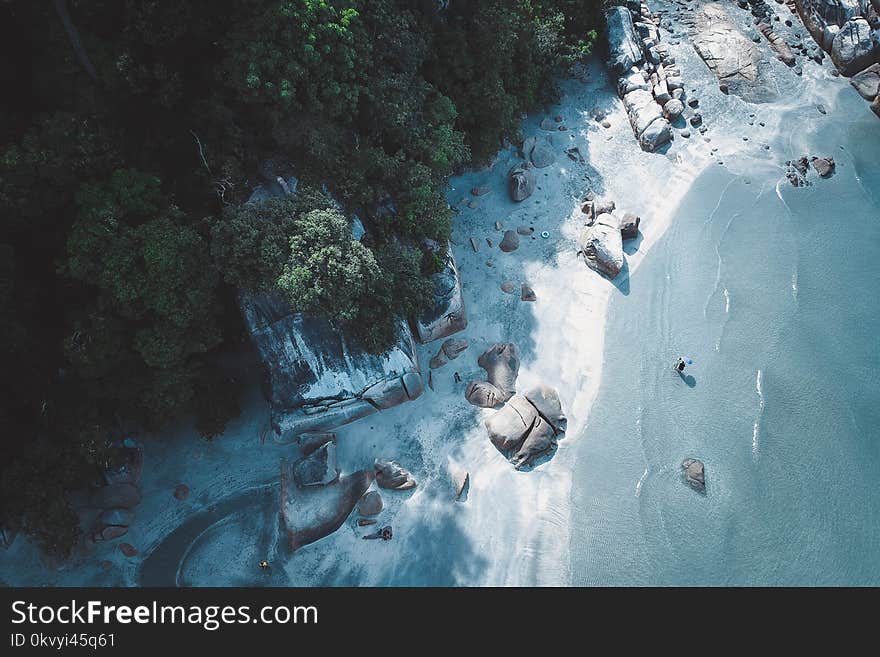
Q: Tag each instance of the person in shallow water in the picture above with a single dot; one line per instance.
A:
(679, 365)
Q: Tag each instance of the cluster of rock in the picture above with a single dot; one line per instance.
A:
(527, 426)
(847, 30)
(796, 170)
(764, 18)
(316, 498)
(648, 82)
(110, 508)
(601, 240)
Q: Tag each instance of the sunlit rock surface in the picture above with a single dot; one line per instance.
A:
(315, 380)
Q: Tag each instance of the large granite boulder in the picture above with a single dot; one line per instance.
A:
(602, 246)
(317, 381)
(730, 54)
(528, 426)
(447, 314)
(625, 46)
(391, 475)
(658, 133)
(521, 182)
(501, 362)
(309, 514)
(854, 49)
(867, 82)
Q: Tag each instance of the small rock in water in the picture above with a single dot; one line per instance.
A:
(694, 474)
(507, 287)
(528, 294)
(525, 230)
(824, 166)
(606, 124)
(481, 191)
(366, 522)
(498, 226)
(181, 492)
(821, 109)
(685, 133)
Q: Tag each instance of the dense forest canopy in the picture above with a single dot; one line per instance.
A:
(133, 130)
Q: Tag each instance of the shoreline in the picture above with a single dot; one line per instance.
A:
(515, 526)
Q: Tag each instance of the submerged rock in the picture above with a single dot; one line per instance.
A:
(602, 246)
(694, 474)
(390, 474)
(824, 166)
(122, 496)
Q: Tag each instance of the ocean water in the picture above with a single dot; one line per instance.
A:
(772, 290)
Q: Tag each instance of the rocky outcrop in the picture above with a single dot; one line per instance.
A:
(601, 245)
(528, 426)
(624, 45)
(521, 182)
(848, 31)
(730, 55)
(391, 475)
(317, 381)
(694, 474)
(447, 314)
(644, 84)
(311, 513)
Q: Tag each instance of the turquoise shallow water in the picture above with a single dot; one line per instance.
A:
(773, 291)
